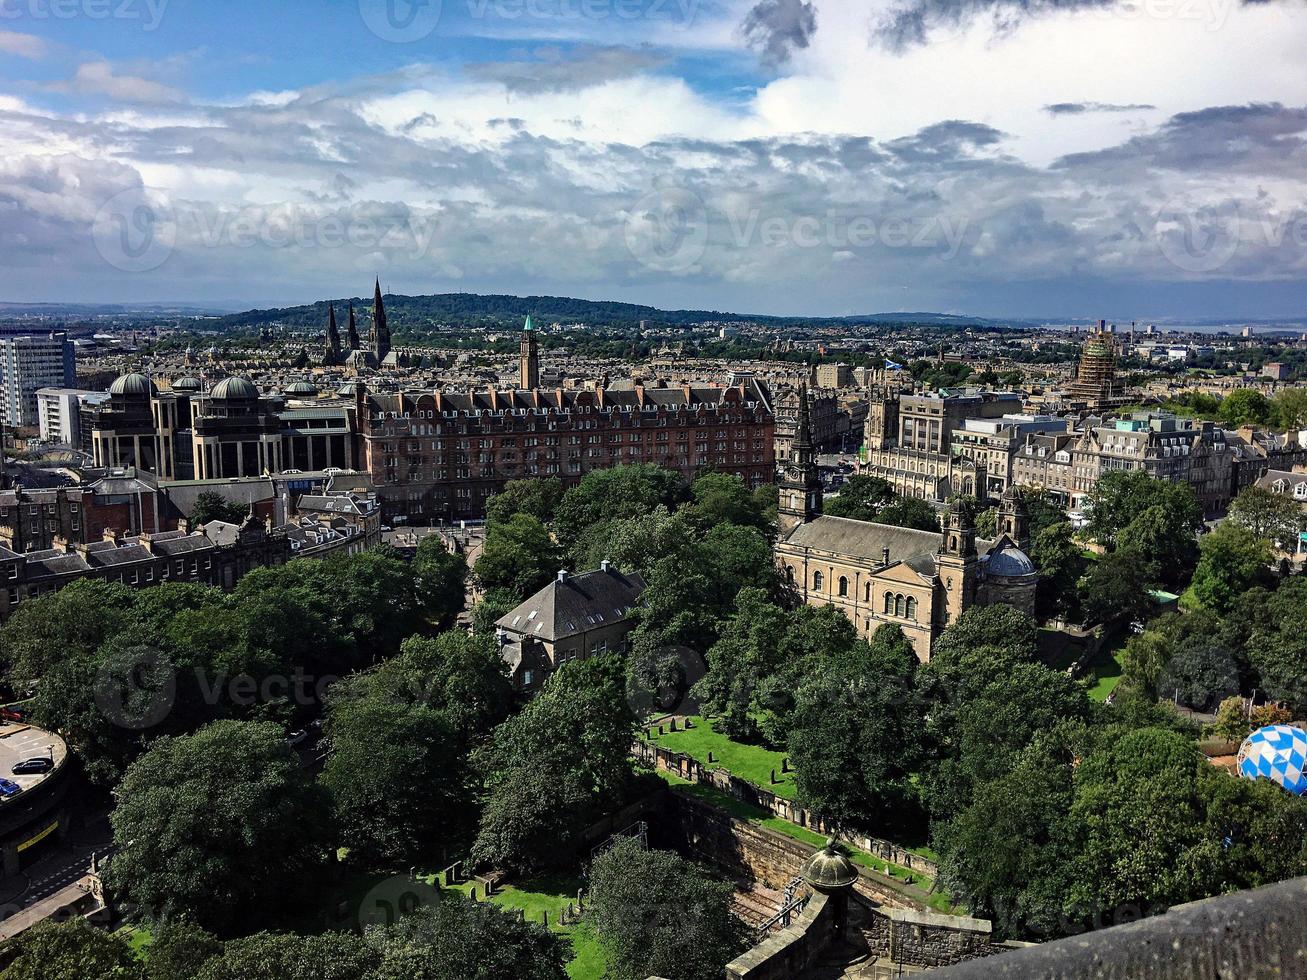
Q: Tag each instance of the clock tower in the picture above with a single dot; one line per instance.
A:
(800, 489)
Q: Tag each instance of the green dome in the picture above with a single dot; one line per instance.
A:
(235, 389)
(133, 385)
(186, 384)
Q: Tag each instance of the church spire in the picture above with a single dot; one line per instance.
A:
(353, 329)
(380, 330)
(803, 431)
(332, 354)
(800, 490)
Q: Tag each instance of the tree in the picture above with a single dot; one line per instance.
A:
(747, 653)
(265, 956)
(616, 492)
(1114, 588)
(1144, 659)
(519, 556)
(555, 763)
(178, 949)
(212, 506)
(1058, 557)
(458, 939)
(71, 622)
(440, 580)
(657, 914)
(1232, 560)
(221, 827)
(1167, 554)
(1289, 408)
(1245, 406)
(1233, 722)
(1199, 675)
(723, 498)
(1120, 496)
(853, 735)
(910, 512)
(537, 497)
(72, 950)
(1269, 516)
(862, 498)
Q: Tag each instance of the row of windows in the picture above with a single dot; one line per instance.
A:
(895, 604)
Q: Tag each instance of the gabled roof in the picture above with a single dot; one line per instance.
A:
(576, 604)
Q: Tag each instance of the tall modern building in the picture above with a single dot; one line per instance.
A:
(27, 362)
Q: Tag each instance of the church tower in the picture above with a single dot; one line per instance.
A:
(332, 355)
(957, 565)
(1013, 518)
(800, 499)
(881, 429)
(530, 357)
(380, 329)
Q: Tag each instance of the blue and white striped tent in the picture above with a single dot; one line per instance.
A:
(1278, 753)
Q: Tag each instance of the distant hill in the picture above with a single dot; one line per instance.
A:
(416, 312)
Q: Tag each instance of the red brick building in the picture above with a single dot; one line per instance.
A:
(440, 455)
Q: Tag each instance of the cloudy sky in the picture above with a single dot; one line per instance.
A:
(1132, 159)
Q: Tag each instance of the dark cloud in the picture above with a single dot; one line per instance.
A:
(553, 70)
(776, 28)
(1079, 108)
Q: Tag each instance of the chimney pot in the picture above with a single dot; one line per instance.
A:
(884, 555)
(562, 575)
(605, 565)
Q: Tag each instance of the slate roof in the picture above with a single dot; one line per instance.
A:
(576, 605)
(867, 540)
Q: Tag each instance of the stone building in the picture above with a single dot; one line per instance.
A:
(876, 573)
(574, 617)
(823, 417)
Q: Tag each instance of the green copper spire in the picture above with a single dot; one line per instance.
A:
(529, 325)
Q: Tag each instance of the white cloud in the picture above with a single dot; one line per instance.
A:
(98, 78)
(22, 45)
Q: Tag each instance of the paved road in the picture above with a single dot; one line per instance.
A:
(59, 868)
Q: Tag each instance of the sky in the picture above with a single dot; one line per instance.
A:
(1131, 159)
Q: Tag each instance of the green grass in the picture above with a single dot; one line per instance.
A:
(914, 881)
(1106, 671)
(751, 762)
(138, 938)
(549, 894)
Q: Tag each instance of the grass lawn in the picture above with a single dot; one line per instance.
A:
(751, 762)
(914, 880)
(138, 937)
(1106, 670)
(550, 894)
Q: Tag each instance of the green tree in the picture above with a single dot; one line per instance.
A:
(910, 512)
(657, 914)
(70, 950)
(440, 580)
(1245, 406)
(1167, 554)
(211, 506)
(265, 956)
(862, 498)
(1270, 516)
(1232, 560)
(537, 497)
(553, 764)
(1120, 496)
(71, 622)
(178, 949)
(1199, 675)
(1289, 409)
(1115, 587)
(620, 491)
(221, 827)
(1058, 557)
(519, 556)
(458, 939)
(854, 732)
(723, 498)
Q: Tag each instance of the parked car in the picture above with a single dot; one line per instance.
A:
(11, 712)
(9, 788)
(33, 767)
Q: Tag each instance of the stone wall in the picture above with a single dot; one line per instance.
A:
(789, 952)
(694, 771)
(924, 939)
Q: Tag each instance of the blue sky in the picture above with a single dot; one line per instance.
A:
(1133, 159)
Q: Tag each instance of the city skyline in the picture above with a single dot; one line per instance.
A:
(772, 157)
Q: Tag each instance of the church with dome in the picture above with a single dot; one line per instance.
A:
(878, 573)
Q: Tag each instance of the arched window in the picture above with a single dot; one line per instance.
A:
(898, 605)
(789, 573)
(912, 608)
(889, 603)
(817, 580)
(844, 586)
(867, 592)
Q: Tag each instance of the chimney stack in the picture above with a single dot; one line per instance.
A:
(562, 575)
(605, 565)
(884, 556)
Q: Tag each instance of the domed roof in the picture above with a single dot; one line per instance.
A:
(829, 869)
(235, 389)
(1009, 561)
(347, 388)
(1277, 753)
(302, 388)
(186, 384)
(132, 384)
